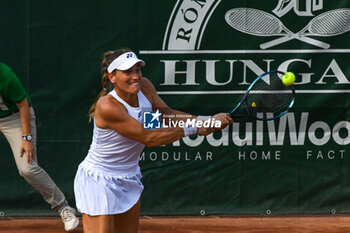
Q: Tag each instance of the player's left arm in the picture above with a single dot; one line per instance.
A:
(157, 103)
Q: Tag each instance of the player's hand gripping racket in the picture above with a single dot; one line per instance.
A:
(267, 98)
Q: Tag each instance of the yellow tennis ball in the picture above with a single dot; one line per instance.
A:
(288, 78)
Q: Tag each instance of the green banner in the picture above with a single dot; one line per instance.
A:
(200, 55)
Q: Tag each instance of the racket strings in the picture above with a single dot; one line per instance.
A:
(269, 95)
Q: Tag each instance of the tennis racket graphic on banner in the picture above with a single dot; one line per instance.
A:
(331, 23)
(267, 98)
(259, 23)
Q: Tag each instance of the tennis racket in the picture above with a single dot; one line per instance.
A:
(266, 98)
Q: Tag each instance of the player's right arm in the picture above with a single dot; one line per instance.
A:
(111, 114)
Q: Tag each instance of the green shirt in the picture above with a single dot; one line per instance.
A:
(11, 91)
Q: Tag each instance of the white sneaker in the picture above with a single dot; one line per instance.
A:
(68, 218)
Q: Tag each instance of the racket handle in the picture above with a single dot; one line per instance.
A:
(229, 115)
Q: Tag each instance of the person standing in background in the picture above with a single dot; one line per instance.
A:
(17, 124)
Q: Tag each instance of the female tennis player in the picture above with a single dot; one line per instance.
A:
(107, 185)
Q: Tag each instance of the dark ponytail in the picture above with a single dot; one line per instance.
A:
(108, 58)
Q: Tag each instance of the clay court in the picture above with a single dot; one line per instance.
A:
(211, 224)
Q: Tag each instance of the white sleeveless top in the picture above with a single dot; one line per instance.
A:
(113, 152)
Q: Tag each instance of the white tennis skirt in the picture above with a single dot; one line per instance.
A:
(98, 192)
